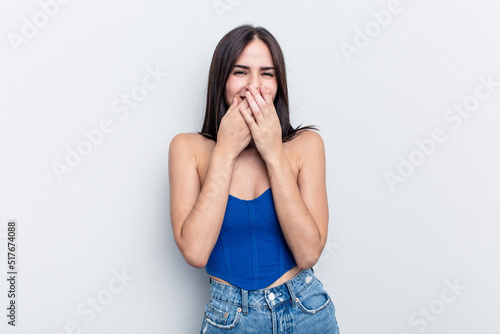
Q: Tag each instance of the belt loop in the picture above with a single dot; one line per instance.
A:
(292, 293)
(244, 301)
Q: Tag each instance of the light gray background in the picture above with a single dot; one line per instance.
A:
(389, 254)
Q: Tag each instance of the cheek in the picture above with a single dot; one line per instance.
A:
(228, 93)
(232, 88)
(234, 85)
(274, 91)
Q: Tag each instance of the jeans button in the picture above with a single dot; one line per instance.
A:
(271, 296)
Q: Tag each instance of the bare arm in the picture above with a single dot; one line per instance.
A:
(196, 210)
(301, 205)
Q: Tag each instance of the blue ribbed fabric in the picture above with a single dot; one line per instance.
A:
(251, 252)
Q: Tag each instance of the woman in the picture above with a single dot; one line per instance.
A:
(248, 197)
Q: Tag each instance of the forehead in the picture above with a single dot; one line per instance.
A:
(256, 53)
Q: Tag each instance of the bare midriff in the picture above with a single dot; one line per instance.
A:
(285, 277)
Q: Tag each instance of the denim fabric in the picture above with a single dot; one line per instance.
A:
(298, 306)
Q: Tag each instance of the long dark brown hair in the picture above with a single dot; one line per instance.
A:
(226, 54)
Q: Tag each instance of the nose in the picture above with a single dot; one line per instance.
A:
(254, 81)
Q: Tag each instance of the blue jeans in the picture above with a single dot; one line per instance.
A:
(300, 305)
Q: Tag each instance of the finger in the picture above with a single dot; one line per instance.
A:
(245, 112)
(258, 95)
(255, 107)
(237, 103)
(247, 109)
(242, 102)
(233, 105)
(268, 98)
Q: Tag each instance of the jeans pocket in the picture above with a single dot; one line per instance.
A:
(222, 315)
(314, 298)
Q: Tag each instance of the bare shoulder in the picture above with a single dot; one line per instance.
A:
(183, 139)
(308, 137)
(190, 142)
(190, 146)
(306, 142)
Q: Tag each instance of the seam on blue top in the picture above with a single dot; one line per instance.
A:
(282, 257)
(255, 260)
(226, 255)
(257, 209)
(265, 217)
(235, 218)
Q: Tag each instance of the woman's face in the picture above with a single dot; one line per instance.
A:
(254, 67)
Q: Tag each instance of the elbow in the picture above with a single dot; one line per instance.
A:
(307, 262)
(197, 263)
(195, 255)
(195, 259)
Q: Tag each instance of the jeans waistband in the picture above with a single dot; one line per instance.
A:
(268, 298)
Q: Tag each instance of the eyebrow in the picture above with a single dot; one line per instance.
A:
(267, 68)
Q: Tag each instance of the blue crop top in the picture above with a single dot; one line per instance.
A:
(251, 252)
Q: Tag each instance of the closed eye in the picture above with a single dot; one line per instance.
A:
(269, 74)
